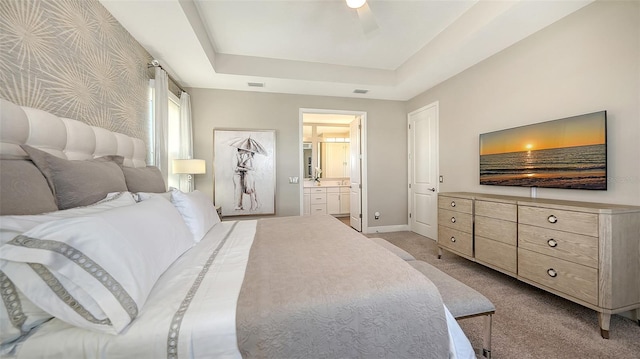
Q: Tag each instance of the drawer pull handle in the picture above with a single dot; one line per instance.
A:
(552, 219)
(552, 243)
(453, 203)
(552, 273)
(453, 219)
(453, 239)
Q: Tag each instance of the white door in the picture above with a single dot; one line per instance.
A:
(355, 156)
(423, 171)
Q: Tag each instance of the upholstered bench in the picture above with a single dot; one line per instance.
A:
(461, 300)
(393, 249)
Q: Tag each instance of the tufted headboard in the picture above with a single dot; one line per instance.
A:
(62, 137)
(67, 163)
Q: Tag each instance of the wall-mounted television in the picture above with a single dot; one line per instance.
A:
(565, 153)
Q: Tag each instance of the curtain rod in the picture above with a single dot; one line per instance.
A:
(156, 63)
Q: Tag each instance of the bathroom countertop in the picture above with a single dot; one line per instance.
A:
(326, 184)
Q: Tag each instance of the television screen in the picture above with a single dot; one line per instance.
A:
(566, 153)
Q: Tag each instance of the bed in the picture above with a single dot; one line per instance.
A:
(112, 265)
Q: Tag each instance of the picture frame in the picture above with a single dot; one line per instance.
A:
(244, 165)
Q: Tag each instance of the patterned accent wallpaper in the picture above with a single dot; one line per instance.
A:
(72, 58)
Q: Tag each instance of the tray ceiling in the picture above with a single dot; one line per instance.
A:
(320, 47)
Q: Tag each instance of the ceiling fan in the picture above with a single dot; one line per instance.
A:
(367, 20)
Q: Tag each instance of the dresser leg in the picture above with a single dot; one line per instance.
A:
(439, 252)
(635, 315)
(604, 319)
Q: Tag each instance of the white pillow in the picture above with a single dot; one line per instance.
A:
(18, 315)
(197, 210)
(103, 264)
(11, 226)
(143, 196)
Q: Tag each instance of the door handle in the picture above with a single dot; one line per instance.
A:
(431, 189)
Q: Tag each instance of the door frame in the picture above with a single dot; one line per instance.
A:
(363, 163)
(435, 104)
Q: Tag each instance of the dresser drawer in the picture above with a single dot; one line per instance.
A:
(318, 209)
(505, 211)
(573, 279)
(497, 254)
(568, 221)
(497, 229)
(455, 220)
(318, 198)
(572, 247)
(457, 241)
(455, 204)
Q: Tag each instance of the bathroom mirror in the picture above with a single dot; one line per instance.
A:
(326, 147)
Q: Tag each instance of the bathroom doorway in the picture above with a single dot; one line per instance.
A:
(332, 159)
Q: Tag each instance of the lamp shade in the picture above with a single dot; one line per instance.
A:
(192, 166)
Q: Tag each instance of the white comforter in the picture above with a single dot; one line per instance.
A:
(191, 312)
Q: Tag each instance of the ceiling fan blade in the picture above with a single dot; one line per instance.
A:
(367, 20)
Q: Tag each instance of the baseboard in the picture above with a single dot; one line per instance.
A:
(384, 229)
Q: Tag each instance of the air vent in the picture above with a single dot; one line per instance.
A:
(360, 91)
(255, 84)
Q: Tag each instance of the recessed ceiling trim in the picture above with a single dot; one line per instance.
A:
(301, 70)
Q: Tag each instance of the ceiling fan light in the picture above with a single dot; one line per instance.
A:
(355, 4)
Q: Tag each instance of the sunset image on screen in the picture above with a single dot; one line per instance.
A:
(572, 132)
(566, 153)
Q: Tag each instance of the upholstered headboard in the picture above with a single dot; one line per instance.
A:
(62, 137)
(51, 163)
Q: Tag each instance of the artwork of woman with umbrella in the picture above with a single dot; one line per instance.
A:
(243, 172)
(244, 164)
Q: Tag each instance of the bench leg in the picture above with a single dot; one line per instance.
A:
(486, 342)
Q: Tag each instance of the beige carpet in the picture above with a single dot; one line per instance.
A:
(529, 322)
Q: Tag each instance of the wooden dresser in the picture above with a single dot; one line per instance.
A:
(588, 253)
(455, 225)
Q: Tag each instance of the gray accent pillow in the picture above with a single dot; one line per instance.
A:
(24, 189)
(144, 179)
(79, 183)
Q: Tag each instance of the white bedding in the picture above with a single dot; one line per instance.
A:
(204, 284)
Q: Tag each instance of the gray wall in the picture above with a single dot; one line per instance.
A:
(586, 62)
(386, 136)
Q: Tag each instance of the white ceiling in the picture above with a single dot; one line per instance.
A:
(318, 47)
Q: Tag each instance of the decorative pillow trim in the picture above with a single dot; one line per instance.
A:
(84, 262)
(57, 287)
(12, 302)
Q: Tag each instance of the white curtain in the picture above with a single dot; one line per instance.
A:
(186, 136)
(161, 113)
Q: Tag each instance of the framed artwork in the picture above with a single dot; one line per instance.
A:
(244, 165)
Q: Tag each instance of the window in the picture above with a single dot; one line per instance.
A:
(173, 134)
(173, 139)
